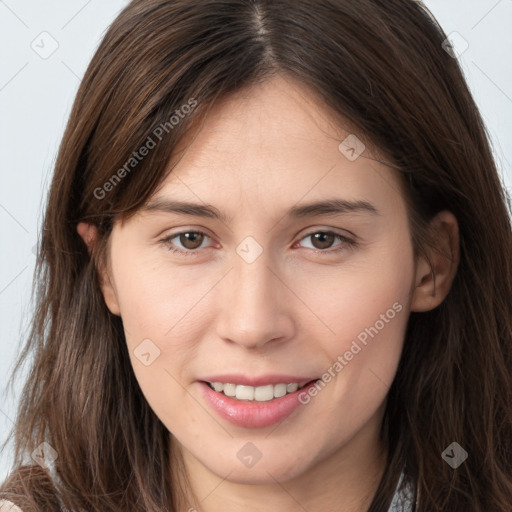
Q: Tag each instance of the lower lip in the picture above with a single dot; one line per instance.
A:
(252, 414)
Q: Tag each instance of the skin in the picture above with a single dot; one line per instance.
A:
(291, 311)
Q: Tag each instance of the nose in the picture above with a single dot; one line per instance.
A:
(257, 305)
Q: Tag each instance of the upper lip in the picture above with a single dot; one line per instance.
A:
(258, 381)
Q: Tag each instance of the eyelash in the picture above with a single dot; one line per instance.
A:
(351, 243)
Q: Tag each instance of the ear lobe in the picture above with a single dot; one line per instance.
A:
(436, 271)
(88, 233)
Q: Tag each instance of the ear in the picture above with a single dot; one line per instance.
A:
(89, 233)
(433, 282)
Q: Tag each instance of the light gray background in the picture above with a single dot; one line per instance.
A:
(36, 95)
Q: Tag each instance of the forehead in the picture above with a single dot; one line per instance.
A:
(271, 144)
(278, 114)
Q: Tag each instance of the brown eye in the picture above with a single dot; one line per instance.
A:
(187, 242)
(191, 239)
(323, 240)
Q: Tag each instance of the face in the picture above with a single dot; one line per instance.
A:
(269, 293)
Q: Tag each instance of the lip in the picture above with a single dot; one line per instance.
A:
(263, 380)
(252, 414)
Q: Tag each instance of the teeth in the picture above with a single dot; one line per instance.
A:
(280, 389)
(244, 392)
(258, 394)
(229, 389)
(217, 386)
(263, 393)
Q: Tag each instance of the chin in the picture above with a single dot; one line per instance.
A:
(261, 473)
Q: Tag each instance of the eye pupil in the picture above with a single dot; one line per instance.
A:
(320, 237)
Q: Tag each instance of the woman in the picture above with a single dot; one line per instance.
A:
(274, 273)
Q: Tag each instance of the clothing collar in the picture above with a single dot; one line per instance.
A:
(403, 499)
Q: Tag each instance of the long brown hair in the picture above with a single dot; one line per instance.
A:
(378, 64)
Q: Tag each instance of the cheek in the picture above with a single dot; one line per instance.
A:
(364, 352)
(352, 297)
(155, 299)
(162, 347)
(160, 320)
(368, 312)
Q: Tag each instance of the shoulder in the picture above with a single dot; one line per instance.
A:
(26, 489)
(9, 506)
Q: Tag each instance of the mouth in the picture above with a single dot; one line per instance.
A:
(263, 393)
(254, 406)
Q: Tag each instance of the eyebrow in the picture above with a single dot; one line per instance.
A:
(331, 207)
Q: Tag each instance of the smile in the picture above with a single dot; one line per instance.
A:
(249, 406)
(257, 394)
